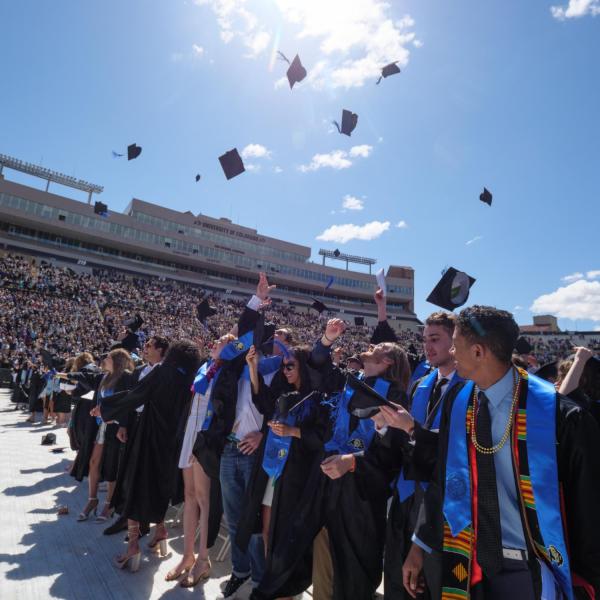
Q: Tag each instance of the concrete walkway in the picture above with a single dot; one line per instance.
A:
(43, 555)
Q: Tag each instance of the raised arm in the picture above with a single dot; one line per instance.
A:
(571, 380)
(383, 332)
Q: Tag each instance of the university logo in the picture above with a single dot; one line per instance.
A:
(555, 555)
(357, 444)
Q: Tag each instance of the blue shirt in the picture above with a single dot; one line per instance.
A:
(500, 400)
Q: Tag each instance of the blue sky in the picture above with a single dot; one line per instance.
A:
(503, 94)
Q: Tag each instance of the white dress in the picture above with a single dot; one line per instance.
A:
(193, 426)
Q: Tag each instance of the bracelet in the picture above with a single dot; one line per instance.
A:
(330, 341)
(353, 467)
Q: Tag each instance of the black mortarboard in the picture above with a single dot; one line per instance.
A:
(133, 151)
(365, 401)
(486, 196)
(289, 401)
(523, 346)
(388, 70)
(549, 371)
(349, 121)
(205, 310)
(359, 321)
(198, 178)
(100, 208)
(296, 72)
(135, 323)
(318, 306)
(48, 439)
(452, 290)
(232, 163)
(336, 252)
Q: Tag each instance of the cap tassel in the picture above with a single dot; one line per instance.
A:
(282, 56)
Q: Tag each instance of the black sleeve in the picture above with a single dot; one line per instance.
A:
(383, 333)
(579, 473)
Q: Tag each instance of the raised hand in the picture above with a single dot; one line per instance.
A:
(335, 328)
(263, 289)
(252, 358)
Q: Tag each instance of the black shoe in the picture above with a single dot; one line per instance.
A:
(233, 585)
(119, 525)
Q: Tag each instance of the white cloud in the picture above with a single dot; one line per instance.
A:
(518, 307)
(347, 232)
(572, 277)
(198, 51)
(593, 274)
(278, 169)
(576, 9)
(251, 167)
(355, 39)
(364, 150)
(417, 43)
(353, 203)
(236, 21)
(281, 83)
(475, 239)
(255, 151)
(578, 300)
(338, 159)
(401, 224)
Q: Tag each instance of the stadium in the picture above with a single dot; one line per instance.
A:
(213, 253)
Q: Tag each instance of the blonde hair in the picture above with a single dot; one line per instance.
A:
(399, 370)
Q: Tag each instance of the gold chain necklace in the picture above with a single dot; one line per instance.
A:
(494, 449)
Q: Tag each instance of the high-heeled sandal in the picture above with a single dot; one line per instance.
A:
(192, 579)
(130, 560)
(104, 516)
(91, 506)
(159, 546)
(174, 574)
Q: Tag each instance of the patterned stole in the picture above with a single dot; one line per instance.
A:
(533, 429)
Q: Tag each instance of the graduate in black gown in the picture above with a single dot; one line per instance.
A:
(290, 449)
(151, 470)
(513, 503)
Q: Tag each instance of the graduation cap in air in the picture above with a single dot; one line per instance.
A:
(296, 72)
(318, 306)
(391, 69)
(232, 164)
(452, 290)
(523, 346)
(205, 310)
(336, 252)
(486, 196)
(133, 151)
(365, 401)
(101, 209)
(349, 121)
(359, 321)
(198, 178)
(135, 323)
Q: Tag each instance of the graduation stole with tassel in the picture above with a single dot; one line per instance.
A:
(534, 450)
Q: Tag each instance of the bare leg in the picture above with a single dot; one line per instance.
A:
(190, 522)
(133, 546)
(266, 523)
(94, 474)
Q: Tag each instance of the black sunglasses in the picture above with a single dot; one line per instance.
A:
(289, 366)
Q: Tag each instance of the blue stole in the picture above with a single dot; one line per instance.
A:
(103, 394)
(344, 442)
(421, 369)
(406, 487)
(543, 471)
(277, 449)
(201, 385)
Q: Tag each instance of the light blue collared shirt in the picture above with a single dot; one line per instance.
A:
(500, 400)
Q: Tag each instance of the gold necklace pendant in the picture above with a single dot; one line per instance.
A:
(496, 448)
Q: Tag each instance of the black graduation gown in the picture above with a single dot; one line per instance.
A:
(305, 454)
(578, 455)
(86, 379)
(146, 482)
(112, 446)
(36, 385)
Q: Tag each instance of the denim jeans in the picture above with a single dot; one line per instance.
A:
(236, 469)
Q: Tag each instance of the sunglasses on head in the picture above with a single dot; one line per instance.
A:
(289, 366)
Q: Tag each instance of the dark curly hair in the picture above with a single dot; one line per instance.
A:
(160, 343)
(491, 327)
(184, 355)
